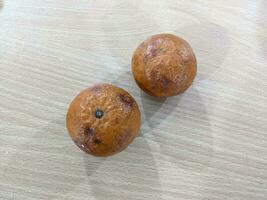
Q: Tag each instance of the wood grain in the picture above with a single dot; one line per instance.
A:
(208, 144)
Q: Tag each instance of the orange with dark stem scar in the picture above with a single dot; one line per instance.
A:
(103, 120)
(164, 65)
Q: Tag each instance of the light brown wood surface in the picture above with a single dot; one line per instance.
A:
(208, 144)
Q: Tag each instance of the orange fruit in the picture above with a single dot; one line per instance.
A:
(164, 65)
(103, 120)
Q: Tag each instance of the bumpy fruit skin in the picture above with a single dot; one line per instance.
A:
(164, 65)
(108, 134)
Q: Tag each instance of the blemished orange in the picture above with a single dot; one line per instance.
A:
(103, 120)
(164, 65)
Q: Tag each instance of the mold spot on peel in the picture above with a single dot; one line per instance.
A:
(153, 52)
(166, 83)
(97, 141)
(126, 100)
(89, 131)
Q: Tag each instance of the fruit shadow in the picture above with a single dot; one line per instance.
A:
(156, 109)
(180, 125)
(45, 158)
(131, 174)
(180, 121)
(72, 164)
(210, 43)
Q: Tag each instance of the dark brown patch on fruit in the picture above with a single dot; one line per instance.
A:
(89, 131)
(128, 101)
(145, 58)
(124, 138)
(166, 83)
(154, 51)
(97, 141)
(154, 78)
(117, 121)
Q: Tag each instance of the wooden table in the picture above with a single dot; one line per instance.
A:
(208, 144)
